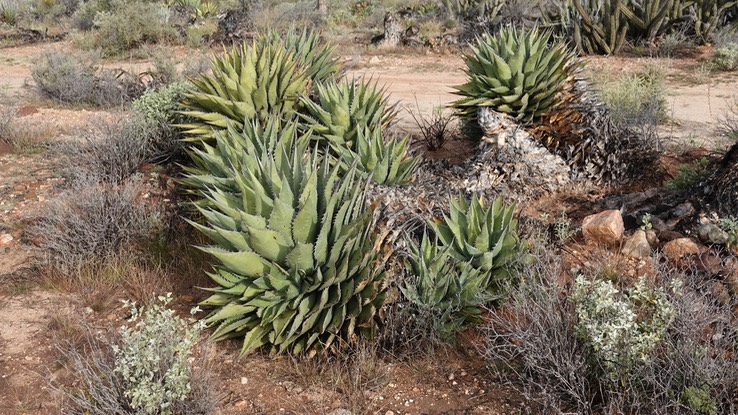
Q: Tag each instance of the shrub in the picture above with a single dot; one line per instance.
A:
(130, 24)
(435, 129)
(690, 175)
(111, 152)
(73, 78)
(623, 329)
(650, 349)
(637, 100)
(726, 57)
(145, 371)
(9, 12)
(159, 109)
(91, 221)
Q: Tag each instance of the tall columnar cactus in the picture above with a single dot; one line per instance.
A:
(484, 236)
(599, 26)
(650, 18)
(297, 261)
(706, 14)
(248, 83)
(515, 73)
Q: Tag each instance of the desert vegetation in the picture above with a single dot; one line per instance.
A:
(270, 230)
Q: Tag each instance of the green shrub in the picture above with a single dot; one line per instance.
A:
(149, 371)
(443, 292)
(636, 99)
(9, 12)
(623, 329)
(297, 270)
(159, 110)
(130, 24)
(690, 175)
(726, 57)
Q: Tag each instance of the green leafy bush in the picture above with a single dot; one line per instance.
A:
(298, 269)
(690, 175)
(623, 329)
(445, 293)
(726, 57)
(636, 99)
(149, 371)
(130, 24)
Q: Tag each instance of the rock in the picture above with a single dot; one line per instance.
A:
(5, 239)
(679, 248)
(637, 245)
(718, 290)
(603, 228)
(669, 235)
(712, 234)
(732, 282)
(340, 411)
(374, 60)
(651, 237)
(711, 264)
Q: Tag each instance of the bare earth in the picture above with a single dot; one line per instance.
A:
(420, 83)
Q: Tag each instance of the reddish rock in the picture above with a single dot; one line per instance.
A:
(670, 235)
(710, 263)
(679, 248)
(637, 245)
(603, 228)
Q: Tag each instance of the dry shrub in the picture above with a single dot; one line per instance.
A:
(110, 153)
(536, 343)
(352, 375)
(74, 78)
(94, 221)
(435, 129)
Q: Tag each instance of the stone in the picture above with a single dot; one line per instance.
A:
(679, 248)
(718, 290)
(712, 234)
(669, 235)
(5, 239)
(709, 263)
(732, 282)
(637, 245)
(651, 237)
(340, 411)
(603, 228)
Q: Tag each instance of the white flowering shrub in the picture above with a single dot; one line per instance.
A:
(152, 357)
(622, 328)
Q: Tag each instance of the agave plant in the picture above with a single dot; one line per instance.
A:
(386, 161)
(441, 288)
(485, 237)
(251, 82)
(515, 73)
(297, 265)
(345, 109)
(314, 55)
